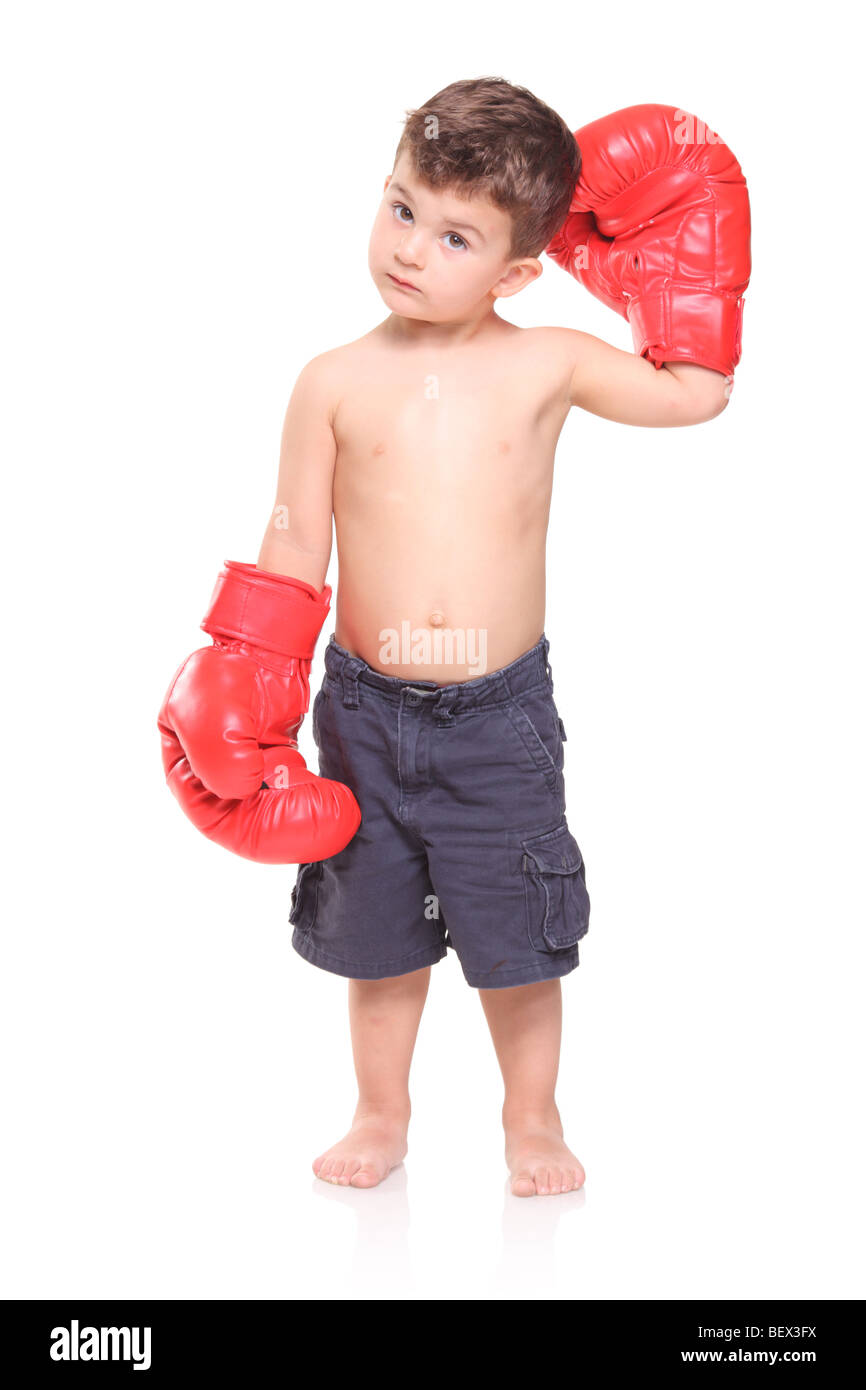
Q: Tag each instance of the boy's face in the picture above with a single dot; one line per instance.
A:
(453, 252)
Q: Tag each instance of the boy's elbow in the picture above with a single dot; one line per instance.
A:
(714, 395)
(703, 392)
(709, 410)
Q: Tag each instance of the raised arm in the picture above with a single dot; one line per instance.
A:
(659, 230)
(297, 541)
(620, 386)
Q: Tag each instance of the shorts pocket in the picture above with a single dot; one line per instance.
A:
(540, 730)
(305, 896)
(554, 881)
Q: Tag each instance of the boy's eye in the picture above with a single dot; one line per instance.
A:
(400, 208)
(451, 237)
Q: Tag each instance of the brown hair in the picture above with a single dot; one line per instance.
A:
(494, 140)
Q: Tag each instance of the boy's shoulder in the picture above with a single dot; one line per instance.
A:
(563, 349)
(321, 381)
(550, 352)
(331, 358)
(554, 336)
(547, 345)
(329, 365)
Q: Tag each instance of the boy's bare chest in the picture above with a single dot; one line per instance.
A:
(448, 437)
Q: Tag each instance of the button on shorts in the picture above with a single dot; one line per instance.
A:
(463, 839)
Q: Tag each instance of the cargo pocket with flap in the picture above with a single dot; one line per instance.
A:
(554, 881)
(305, 896)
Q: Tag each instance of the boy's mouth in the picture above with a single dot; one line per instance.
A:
(402, 284)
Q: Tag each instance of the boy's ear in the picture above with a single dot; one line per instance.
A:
(387, 181)
(517, 277)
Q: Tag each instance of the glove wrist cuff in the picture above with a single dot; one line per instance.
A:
(271, 611)
(681, 324)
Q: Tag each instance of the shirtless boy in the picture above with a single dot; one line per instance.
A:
(431, 441)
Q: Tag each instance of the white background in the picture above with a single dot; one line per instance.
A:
(189, 193)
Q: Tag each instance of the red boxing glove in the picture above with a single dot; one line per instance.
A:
(230, 720)
(659, 230)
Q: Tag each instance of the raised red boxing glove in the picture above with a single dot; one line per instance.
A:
(230, 719)
(659, 230)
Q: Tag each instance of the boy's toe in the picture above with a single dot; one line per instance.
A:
(523, 1184)
(365, 1177)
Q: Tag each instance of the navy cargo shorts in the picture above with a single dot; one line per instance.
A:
(463, 839)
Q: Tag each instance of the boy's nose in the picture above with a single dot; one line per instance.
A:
(409, 250)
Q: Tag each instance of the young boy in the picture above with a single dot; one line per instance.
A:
(431, 440)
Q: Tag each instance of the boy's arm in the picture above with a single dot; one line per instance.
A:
(297, 541)
(659, 230)
(230, 719)
(620, 386)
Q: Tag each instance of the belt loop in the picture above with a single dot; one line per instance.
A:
(503, 687)
(349, 677)
(545, 648)
(442, 708)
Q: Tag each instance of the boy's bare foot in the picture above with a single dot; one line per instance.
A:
(374, 1145)
(539, 1160)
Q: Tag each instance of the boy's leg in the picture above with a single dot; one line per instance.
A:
(383, 1017)
(526, 1027)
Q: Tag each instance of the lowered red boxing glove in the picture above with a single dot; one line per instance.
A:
(659, 230)
(230, 720)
